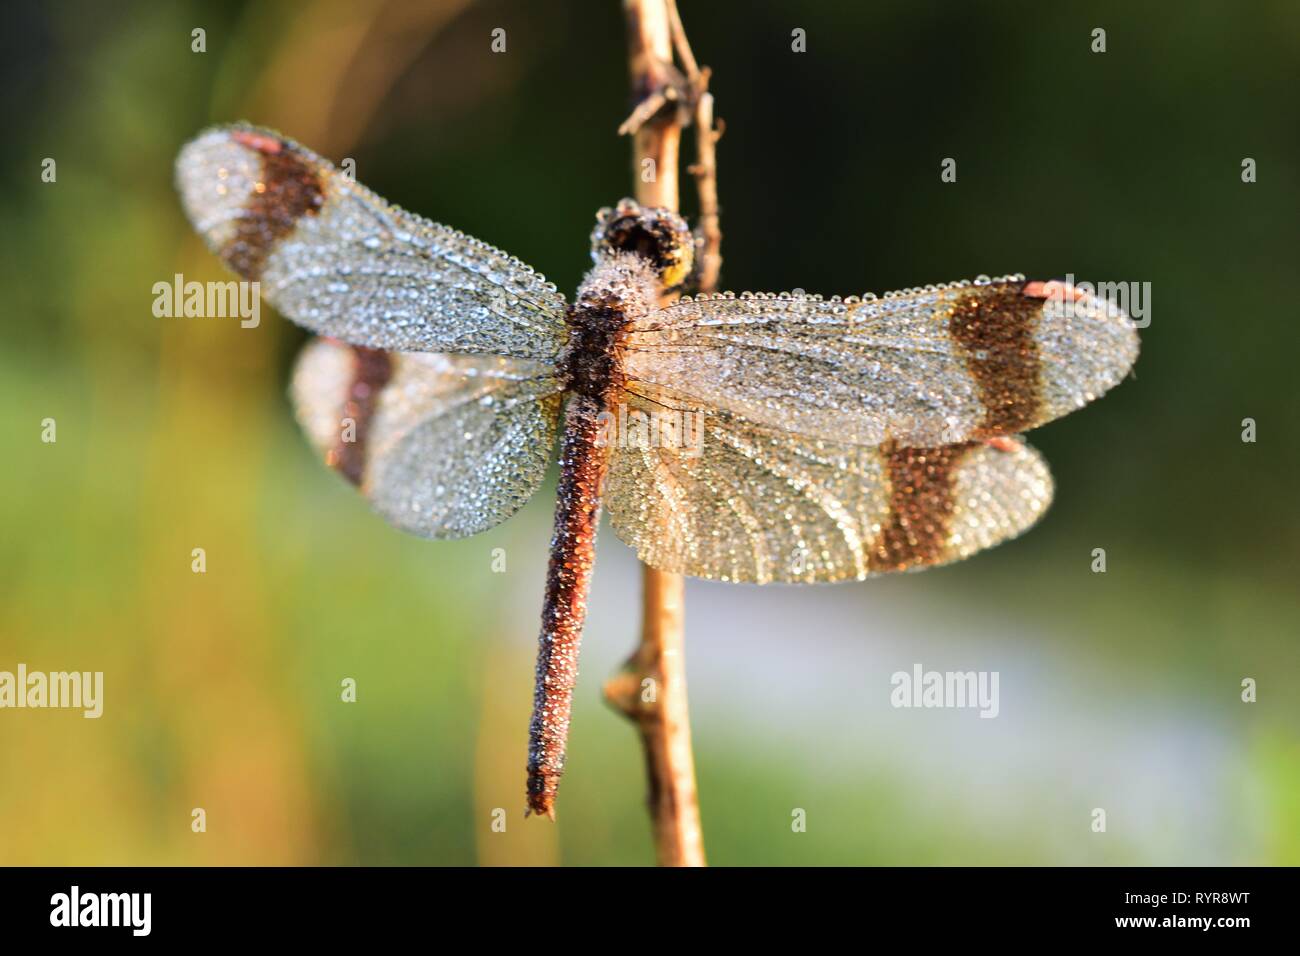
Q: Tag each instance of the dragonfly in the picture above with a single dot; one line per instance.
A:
(832, 438)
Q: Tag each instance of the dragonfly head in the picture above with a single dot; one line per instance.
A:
(659, 235)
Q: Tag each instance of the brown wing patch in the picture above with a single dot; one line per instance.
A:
(372, 370)
(288, 189)
(921, 504)
(996, 328)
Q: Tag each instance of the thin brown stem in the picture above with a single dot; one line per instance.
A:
(651, 688)
(705, 170)
(705, 167)
(680, 43)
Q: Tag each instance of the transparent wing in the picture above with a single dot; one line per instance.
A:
(751, 503)
(336, 258)
(444, 446)
(924, 367)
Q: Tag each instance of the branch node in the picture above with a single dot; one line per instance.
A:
(675, 90)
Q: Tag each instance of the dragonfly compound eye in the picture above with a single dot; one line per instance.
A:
(659, 235)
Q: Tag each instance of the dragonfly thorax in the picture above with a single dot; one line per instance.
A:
(617, 290)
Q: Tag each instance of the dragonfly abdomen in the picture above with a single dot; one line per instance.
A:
(583, 463)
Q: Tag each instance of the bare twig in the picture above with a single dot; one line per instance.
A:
(651, 688)
(705, 167)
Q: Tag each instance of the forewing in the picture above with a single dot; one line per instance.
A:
(444, 446)
(921, 368)
(759, 504)
(336, 258)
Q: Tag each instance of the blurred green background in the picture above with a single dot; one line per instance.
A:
(1118, 690)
